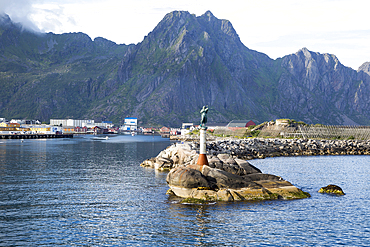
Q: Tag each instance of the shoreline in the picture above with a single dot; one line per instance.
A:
(259, 148)
(35, 136)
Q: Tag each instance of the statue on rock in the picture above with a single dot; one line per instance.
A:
(203, 114)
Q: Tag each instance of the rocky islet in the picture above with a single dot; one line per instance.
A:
(230, 177)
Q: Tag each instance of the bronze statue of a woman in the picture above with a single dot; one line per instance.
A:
(203, 114)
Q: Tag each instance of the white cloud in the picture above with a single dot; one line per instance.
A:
(20, 12)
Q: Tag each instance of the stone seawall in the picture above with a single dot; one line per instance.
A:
(256, 148)
(262, 148)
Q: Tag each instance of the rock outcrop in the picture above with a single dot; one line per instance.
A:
(332, 189)
(212, 184)
(226, 178)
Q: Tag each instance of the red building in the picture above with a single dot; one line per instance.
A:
(165, 130)
(240, 123)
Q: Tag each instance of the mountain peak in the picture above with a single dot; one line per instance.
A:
(208, 14)
(4, 19)
(365, 67)
(306, 53)
(176, 14)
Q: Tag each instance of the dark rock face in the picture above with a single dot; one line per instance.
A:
(322, 88)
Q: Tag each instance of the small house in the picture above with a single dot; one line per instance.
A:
(164, 130)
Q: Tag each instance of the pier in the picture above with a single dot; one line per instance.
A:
(35, 136)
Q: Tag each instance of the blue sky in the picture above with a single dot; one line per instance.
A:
(276, 28)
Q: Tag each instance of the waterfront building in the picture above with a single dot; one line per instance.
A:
(45, 129)
(187, 125)
(19, 121)
(5, 124)
(147, 130)
(175, 131)
(68, 129)
(164, 130)
(186, 128)
(104, 124)
(13, 130)
(70, 122)
(80, 130)
(130, 124)
(25, 121)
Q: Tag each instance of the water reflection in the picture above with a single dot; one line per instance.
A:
(202, 223)
(85, 192)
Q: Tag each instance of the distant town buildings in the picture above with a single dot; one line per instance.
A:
(57, 126)
(89, 126)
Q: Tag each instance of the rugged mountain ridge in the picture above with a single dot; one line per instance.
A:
(184, 63)
(322, 89)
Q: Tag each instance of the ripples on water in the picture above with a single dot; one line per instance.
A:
(81, 192)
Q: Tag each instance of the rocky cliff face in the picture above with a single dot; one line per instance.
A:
(322, 89)
(184, 63)
(188, 62)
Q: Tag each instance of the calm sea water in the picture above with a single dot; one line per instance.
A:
(85, 192)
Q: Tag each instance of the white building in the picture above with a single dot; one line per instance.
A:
(186, 128)
(130, 124)
(70, 122)
(18, 121)
(187, 125)
(104, 124)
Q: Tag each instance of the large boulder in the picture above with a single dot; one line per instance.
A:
(222, 179)
(332, 189)
(212, 184)
(173, 156)
(182, 180)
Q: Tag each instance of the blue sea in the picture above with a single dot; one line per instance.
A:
(86, 192)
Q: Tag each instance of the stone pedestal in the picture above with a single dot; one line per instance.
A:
(202, 160)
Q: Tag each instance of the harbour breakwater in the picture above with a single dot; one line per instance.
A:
(253, 148)
(256, 148)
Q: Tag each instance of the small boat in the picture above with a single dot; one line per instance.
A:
(101, 138)
(133, 133)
